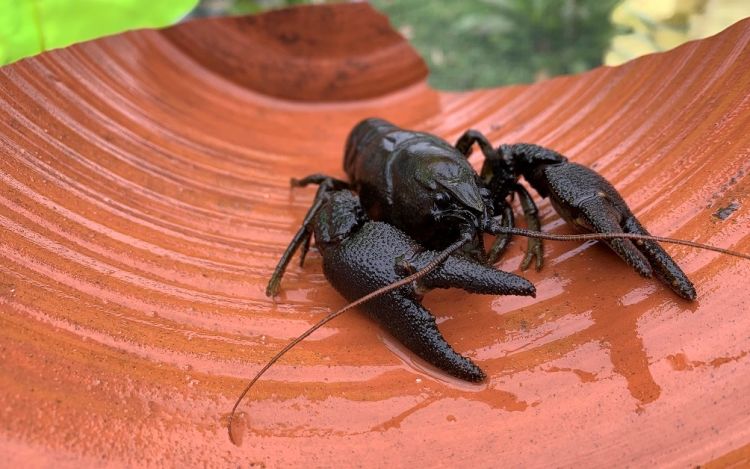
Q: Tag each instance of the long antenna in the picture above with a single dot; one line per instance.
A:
(444, 255)
(598, 236)
(380, 291)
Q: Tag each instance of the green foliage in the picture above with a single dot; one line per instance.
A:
(467, 44)
(648, 27)
(28, 27)
(241, 7)
(481, 43)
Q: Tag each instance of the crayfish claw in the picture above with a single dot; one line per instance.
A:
(414, 326)
(665, 267)
(600, 216)
(584, 198)
(474, 277)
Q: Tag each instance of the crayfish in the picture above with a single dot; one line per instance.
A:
(361, 256)
(412, 218)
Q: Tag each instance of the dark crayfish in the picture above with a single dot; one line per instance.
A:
(428, 198)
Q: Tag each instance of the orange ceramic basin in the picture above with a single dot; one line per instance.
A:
(144, 201)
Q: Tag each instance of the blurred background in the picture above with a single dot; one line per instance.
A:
(467, 44)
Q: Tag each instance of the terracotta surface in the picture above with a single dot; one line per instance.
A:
(144, 201)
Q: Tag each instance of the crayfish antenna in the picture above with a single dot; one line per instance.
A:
(439, 259)
(604, 236)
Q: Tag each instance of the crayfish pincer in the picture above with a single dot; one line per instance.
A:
(361, 256)
(581, 196)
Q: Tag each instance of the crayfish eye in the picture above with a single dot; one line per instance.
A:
(442, 200)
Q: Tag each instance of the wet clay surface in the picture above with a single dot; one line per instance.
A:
(144, 201)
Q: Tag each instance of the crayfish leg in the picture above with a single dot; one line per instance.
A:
(501, 243)
(303, 251)
(302, 236)
(535, 249)
(326, 182)
(469, 138)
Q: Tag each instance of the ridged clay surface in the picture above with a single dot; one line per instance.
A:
(144, 201)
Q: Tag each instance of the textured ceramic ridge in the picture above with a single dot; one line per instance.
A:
(144, 201)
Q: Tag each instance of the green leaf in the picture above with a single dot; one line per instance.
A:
(28, 27)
